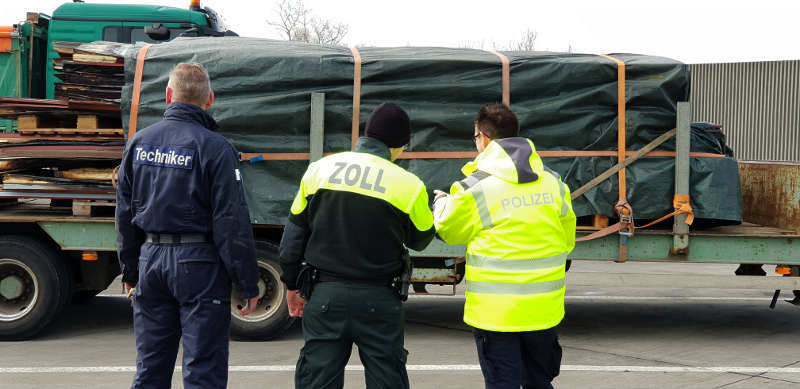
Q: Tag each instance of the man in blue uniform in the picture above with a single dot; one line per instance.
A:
(183, 234)
(352, 216)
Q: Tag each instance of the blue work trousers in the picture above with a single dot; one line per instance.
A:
(510, 360)
(183, 291)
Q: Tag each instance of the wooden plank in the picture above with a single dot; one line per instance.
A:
(85, 207)
(91, 131)
(87, 121)
(27, 121)
(93, 174)
(80, 208)
(592, 222)
(600, 221)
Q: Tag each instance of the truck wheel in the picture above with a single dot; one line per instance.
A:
(271, 317)
(34, 286)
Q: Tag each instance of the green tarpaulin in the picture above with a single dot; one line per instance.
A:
(564, 102)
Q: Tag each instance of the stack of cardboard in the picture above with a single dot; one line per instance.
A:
(90, 73)
(66, 149)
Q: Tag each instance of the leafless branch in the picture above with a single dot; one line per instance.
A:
(295, 22)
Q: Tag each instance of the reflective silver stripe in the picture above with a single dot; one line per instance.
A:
(506, 288)
(562, 187)
(470, 181)
(564, 206)
(491, 263)
(483, 210)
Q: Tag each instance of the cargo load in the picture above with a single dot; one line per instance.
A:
(568, 105)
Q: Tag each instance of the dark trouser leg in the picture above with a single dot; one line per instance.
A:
(500, 357)
(377, 326)
(203, 289)
(157, 333)
(327, 342)
(206, 327)
(541, 355)
(155, 323)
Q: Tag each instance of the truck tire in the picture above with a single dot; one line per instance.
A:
(34, 286)
(271, 317)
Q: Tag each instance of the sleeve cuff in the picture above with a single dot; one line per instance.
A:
(130, 277)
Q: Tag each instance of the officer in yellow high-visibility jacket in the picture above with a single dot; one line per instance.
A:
(516, 218)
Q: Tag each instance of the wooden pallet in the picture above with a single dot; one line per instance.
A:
(85, 125)
(92, 207)
(592, 222)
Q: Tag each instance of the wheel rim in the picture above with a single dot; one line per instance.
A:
(19, 306)
(270, 290)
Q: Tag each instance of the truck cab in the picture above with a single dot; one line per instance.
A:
(88, 22)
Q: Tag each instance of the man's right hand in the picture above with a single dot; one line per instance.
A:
(129, 288)
(296, 303)
(249, 306)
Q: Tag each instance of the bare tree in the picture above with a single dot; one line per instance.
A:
(327, 32)
(526, 43)
(296, 23)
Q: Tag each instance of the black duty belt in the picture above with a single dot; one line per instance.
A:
(157, 238)
(326, 277)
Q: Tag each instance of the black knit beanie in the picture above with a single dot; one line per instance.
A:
(389, 124)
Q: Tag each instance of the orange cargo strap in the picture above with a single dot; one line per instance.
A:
(137, 90)
(473, 154)
(621, 143)
(356, 96)
(506, 78)
(680, 202)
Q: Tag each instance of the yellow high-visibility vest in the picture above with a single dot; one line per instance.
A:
(516, 218)
(368, 175)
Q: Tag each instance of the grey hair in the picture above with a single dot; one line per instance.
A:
(190, 83)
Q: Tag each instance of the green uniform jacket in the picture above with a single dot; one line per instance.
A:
(516, 218)
(353, 214)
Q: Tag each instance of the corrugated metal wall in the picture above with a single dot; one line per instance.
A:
(757, 104)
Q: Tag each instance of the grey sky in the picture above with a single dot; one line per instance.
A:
(690, 31)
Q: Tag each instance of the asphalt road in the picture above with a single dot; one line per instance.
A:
(612, 338)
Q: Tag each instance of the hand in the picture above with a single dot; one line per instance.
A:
(129, 289)
(249, 306)
(437, 192)
(296, 303)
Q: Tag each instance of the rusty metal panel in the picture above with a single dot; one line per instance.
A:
(755, 102)
(443, 276)
(771, 194)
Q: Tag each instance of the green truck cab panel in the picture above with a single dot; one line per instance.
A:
(25, 57)
(88, 22)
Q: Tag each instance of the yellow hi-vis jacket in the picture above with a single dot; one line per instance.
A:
(516, 218)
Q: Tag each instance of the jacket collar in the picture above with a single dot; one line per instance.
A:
(511, 159)
(372, 146)
(186, 112)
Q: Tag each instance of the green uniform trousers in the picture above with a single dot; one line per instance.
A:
(340, 314)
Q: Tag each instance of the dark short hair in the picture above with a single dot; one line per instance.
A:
(497, 121)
